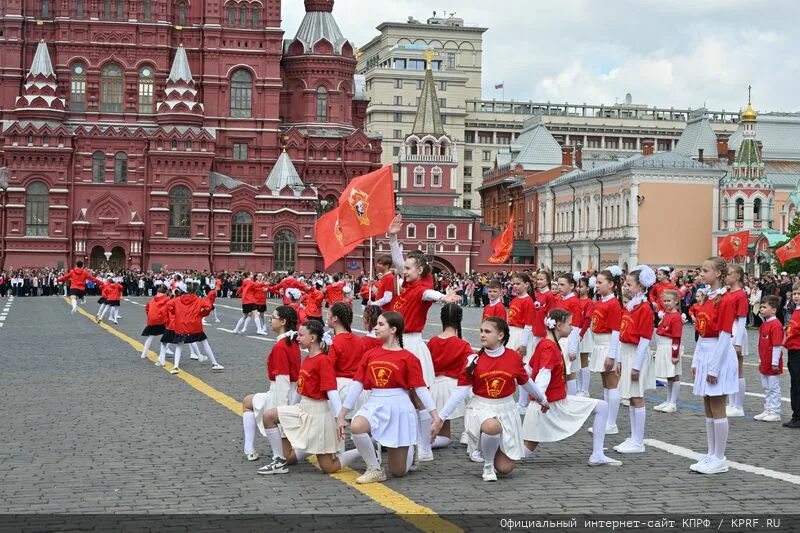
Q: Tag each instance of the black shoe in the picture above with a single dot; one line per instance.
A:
(792, 424)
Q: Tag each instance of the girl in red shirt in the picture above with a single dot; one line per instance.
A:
(283, 368)
(156, 319)
(544, 300)
(635, 365)
(606, 322)
(295, 296)
(449, 352)
(389, 415)
(668, 350)
(492, 422)
(562, 415)
(792, 345)
(186, 311)
(741, 303)
(586, 296)
(312, 301)
(370, 317)
(309, 421)
(521, 315)
(570, 345)
(346, 350)
(714, 365)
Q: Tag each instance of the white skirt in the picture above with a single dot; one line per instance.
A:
(309, 426)
(442, 388)
(728, 379)
(343, 386)
(563, 419)
(597, 361)
(515, 337)
(571, 366)
(587, 343)
(413, 343)
(392, 417)
(506, 412)
(647, 379)
(263, 402)
(664, 368)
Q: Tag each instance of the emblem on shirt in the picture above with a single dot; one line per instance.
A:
(381, 374)
(359, 203)
(300, 382)
(702, 324)
(512, 313)
(494, 386)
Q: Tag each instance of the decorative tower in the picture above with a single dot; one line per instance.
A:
(180, 106)
(39, 99)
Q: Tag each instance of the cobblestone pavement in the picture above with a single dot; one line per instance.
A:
(88, 426)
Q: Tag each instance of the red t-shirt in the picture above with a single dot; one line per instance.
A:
(495, 377)
(335, 293)
(187, 312)
(497, 310)
(606, 316)
(369, 343)
(770, 334)
(793, 332)
(741, 304)
(390, 369)
(257, 293)
(671, 326)
(211, 297)
(521, 312)
(77, 279)
(449, 355)
(284, 360)
(547, 355)
(714, 317)
(410, 304)
(346, 354)
(245, 291)
(313, 303)
(113, 292)
(572, 305)
(301, 314)
(587, 307)
(154, 309)
(658, 290)
(636, 324)
(386, 284)
(546, 302)
(316, 378)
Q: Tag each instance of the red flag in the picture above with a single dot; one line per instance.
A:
(503, 244)
(330, 240)
(789, 251)
(734, 245)
(366, 207)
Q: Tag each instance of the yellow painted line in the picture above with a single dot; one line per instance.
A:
(423, 518)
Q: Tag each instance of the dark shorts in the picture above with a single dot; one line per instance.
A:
(101, 301)
(188, 338)
(158, 329)
(248, 308)
(78, 293)
(261, 308)
(112, 303)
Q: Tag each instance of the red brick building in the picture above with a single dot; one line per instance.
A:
(178, 133)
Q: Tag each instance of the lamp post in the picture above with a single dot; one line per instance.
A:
(3, 189)
(211, 231)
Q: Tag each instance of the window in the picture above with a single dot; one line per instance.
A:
(241, 94)
(231, 15)
(120, 9)
(77, 88)
(469, 136)
(420, 84)
(485, 170)
(467, 188)
(188, 146)
(431, 231)
(395, 151)
(146, 90)
(467, 155)
(444, 119)
(120, 168)
(322, 104)
(256, 17)
(98, 167)
(757, 210)
(503, 138)
(467, 204)
(486, 155)
(240, 151)
(107, 9)
(416, 64)
(398, 100)
(242, 232)
(45, 9)
(451, 232)
(400, 64)
(739, 209)
(436, 177)
(147, 9)
(612, 143)
(411, 231)
(467, 172)
(180, 212)
(485, 138)
(243, 16)
(442, 85)
(398, 117)
(285, 245)
(419, 177)
(37, 202)
(181, 14)
(451, 60)
(442, 102)
(398, 134)
(111, 89)
(398, 84)
(79, 8)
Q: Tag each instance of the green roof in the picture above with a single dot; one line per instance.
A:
(435, 212)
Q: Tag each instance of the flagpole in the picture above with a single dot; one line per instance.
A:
(371, 259)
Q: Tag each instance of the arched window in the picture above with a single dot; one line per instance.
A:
(419, 177)
(181, 14)
(147, 10)
(436, 177)
(98, 167)
(322, 104)
(243, 16)
(79, 8)
(180, 212)
(120, 168)
(37, 203)
(111, 92)
(285, 251)
(431, 231)
(241, 94)
(107, 9)
(242, 233)
(628, 211)
(231, 14)
(77, 88)
(256, 17)
(757, 210)
(739, 209)
(120, 9)
(146, 90)
(411, 231)
(451, 231)
(45, 9)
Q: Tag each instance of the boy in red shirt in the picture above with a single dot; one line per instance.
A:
(770, 348)
(495, 306)
(793, 346)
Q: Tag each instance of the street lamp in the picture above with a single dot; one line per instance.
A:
(3, 189)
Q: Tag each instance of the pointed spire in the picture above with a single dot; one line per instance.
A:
(180, 66)
(429, 117)
(180, 105)
(42, 66)
(40, 94)
(283, 175)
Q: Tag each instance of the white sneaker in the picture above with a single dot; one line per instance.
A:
(144, 354)
(217, 320)
(263, 332)
(170, 352)
(476, 457)
(610, 430)
(734, 412)
(630, 447)
(218, 367)
(603, 461)
(625, 402)
(174, 370)
(159, 363)
(252, 456)
(194, 357)
(771, 417)
(660, 406)
(669, 408)
(703, 459)
(425, 457)
(713, 466)
(760, 416)
(371, 476)
(489, 473)
(278, 465)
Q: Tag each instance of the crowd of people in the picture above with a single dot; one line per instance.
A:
(543, 338)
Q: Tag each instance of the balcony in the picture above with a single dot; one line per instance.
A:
(429, 159)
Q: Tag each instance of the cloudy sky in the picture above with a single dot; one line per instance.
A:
(680, 53)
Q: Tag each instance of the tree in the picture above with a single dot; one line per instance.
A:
(793, 265)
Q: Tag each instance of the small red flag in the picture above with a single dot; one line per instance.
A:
(330, 240)
(366, 207)
(789, 251)
(734, 245)
(503, 244)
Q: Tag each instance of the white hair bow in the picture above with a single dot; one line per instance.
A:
(615, 270)
(549, 322)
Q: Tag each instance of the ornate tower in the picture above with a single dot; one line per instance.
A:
(180, 106)
(39, 99)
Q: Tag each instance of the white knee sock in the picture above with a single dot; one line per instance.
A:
(572, 387)
(301, 455)
(101, 310)
(74, 303)
(246, 323)
(527, 453)
(440, 442)
(178, 355)
(366, 449)
(424, 427)
(632, 420)
(162, 354)
(710, 436)
(599, 428)
(674, 392)
(209, 352)
(489, 446)
(239, 324)
(194, 349)
(259, 324)
(275, 442)
(409, 459)
(347, 458)
(740, 396)
(639, 413)
(147, 344)
(249, 425)
(720, 437)
(587, 377)
(613, 406)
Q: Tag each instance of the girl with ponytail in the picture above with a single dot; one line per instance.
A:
(346, 350)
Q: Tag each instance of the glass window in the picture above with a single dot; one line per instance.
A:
(400, 64)
(107, 9)
(442, 102)
(111, 89)
(240, 151)
(467, 188)
(77, 88)
(436, 177)
(411, 231)
(243, 16)
(79, 8)
(398, 100)
(120, 9)
(467, 172)
(451, 60)
(398, 134)
(181, 14)
(395, 151)
(398, 117)
(180, 212)
(467, 204)
(322, 104)
(431, 231)
(231, 15)
(98, 167)
(146, 90)
(757, 210)
(147, 10)
(242, 232)
(467, 155)
(120, 168)
(285, 250)
(37, 204)
(398, 84)
(419, 177)
(256, 17)
(451, 232)
(739, 209)
(487, 155)
(45, 9)
(416, 64)
(241, 94)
